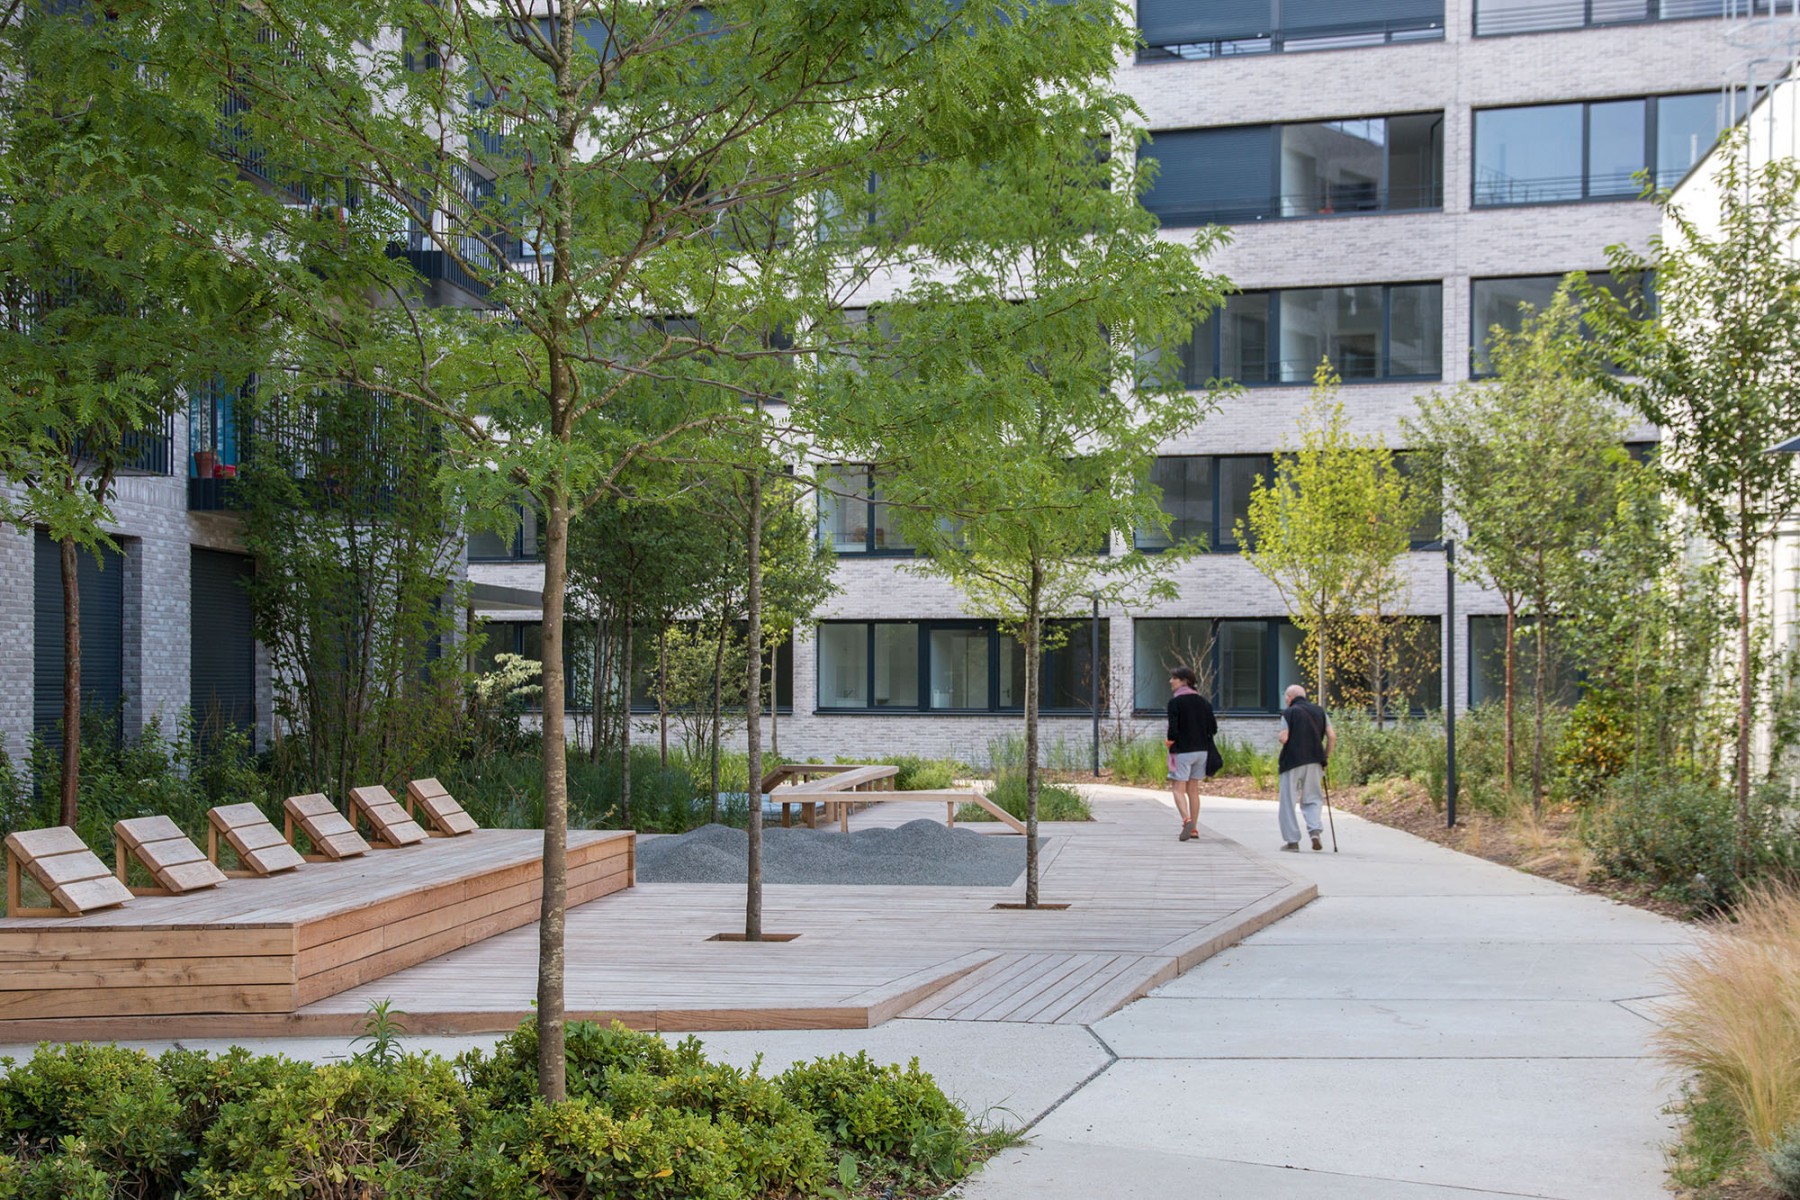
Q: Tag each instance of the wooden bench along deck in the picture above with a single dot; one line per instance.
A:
(331, 835)
(392, 826)
(258, 949)
(172, 860)
(446, 816)
(59, 862)
(256, 842)
(835, 793)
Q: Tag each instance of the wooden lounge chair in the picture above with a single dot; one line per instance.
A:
(332, 837)
(172, 860)
(392, 827)
(256, 842)
(60, 863)
(445, 815)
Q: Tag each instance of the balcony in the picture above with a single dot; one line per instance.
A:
(213, 446)
(138, 452)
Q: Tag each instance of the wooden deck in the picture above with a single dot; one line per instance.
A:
(1143, 908)
(262, 947)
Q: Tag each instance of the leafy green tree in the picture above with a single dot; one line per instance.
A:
(1332, 528)
(1530, 465)
(108, 308)
(1716, 367)
(625, 155)
(1007, 404)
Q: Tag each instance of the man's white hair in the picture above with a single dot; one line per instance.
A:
(1294, 690)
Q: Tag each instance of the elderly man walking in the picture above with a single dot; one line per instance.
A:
(1306, 738)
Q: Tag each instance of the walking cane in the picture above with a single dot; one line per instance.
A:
(1325, 779)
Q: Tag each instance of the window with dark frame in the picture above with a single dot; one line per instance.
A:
(1590, 150)
(950, 666)
(1367, 332)
(1186, 30)
(852, 518)
(1307, 169)
(520, 545)
(1500, 18)
(1502, 302)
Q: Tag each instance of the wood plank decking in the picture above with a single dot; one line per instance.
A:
(1144, 908)
(255, 948)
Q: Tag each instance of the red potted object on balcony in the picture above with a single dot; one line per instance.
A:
(206, 463)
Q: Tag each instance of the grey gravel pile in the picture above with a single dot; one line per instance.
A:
(916, 853)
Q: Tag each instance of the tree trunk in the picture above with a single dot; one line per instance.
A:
(71, 747)
(551, 1064)
(717, 719)
(1746, 713)
(662, 685)
(774, 705)
(1319, 691)
(596, 704)
(753, 707)
(1512, 618)
(1540, 652)
(1032, 632)
(625, 714)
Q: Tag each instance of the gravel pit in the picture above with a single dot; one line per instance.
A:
(918, 853)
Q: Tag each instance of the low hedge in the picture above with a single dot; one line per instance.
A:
(644, 1119)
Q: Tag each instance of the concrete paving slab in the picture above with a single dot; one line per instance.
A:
(1168, 1028)
(1452, 971)
(1580, 1129)
(1520, 919)
(1055, 1168)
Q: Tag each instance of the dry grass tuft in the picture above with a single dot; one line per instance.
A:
(1735, 1021)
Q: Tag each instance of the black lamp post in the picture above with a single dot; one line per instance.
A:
(1450, 682)
(1094, 677)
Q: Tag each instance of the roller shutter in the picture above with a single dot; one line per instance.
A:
(102, 586)
(1179, 22)
(222, 683)
(1206, 175)
(1303, 17)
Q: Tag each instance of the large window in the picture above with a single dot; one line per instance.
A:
(518, 544)
(1487, 664)
(965, 666)
(852, 520)
(1367, 332)
(1503, 302)
(1195, 29)
(1246, 664)
(1321, 168)
(1205, 497)
(1548, 153)
(1495, 18)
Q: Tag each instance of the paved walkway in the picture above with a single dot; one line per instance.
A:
(1433, 1027)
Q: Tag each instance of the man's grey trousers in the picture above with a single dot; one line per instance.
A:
(1307, 784)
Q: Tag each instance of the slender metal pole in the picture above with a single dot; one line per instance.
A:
(1094, 677)
(1450, 683)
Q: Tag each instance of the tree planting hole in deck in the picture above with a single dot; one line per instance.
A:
(738, 937)
(1041, 906)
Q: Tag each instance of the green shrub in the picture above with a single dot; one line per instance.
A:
(1593, 749)
(507, 792)
(110, 1101)
(1240, 758)
(1141, 761)
(507, 1076)
(1679, 835)
(894, 1118)
(579, 1148)
(1056, 802)
(1784, 1165)
(342, 1130)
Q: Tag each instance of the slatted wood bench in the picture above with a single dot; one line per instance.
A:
(836, 794)
(390, 825)
(59, 862)
(332, 836)
(445, 816)
(252, 837)
(173, 861)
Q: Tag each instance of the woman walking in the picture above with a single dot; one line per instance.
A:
(1192, 728)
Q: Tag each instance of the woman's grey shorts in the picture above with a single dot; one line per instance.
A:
(1191, 765)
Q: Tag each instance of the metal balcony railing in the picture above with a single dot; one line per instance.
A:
(1333, 37)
